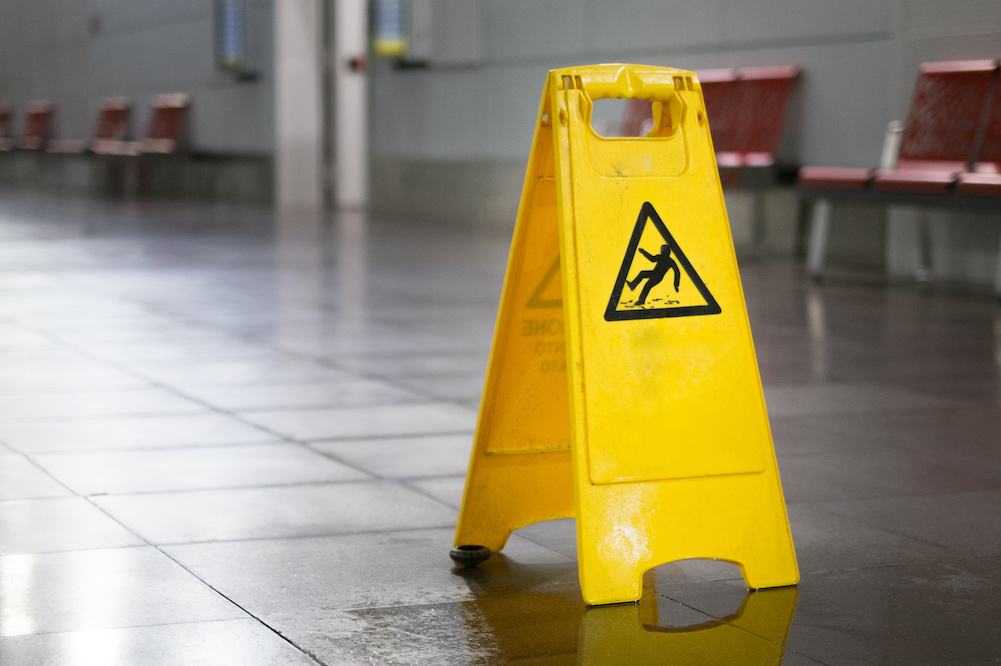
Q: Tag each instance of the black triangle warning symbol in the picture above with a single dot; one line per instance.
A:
(549, 292)
(645, 287)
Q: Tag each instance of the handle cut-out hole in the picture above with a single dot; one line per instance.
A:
(609, 117)
(623, 118)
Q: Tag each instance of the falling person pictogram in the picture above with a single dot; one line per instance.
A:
(654, 276)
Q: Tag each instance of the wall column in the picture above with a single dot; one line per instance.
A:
(298, 105)
(350, 101)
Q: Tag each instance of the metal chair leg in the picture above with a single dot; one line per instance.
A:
(820, 227)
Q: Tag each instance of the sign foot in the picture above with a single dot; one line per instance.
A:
(470, 556)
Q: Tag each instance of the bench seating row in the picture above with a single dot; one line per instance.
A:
(162, 134)
(948, 155)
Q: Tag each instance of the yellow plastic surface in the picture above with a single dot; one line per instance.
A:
(671, 454)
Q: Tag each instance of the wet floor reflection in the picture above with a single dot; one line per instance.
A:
(997, 338)
(639, 634)
(527, 621)
(816, 320)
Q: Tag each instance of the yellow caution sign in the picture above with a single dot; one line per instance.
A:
(626, 393)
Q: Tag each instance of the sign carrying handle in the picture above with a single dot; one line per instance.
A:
(623, 82)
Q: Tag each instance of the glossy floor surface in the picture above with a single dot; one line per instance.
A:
(229, 438)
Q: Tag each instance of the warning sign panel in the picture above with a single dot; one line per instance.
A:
(656, 278)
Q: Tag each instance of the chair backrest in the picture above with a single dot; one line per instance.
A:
(5, 116)
(762, 97)
(719, 87)
(718, 94)
(113, 119)
(36, 125)
(166, 122)
(989, 156)
(945, 114)
(638, 114)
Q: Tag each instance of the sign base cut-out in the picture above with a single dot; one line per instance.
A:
(622, 388)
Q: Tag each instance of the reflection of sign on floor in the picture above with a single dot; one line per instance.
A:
(656, 278)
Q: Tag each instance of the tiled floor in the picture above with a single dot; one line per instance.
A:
(233, 439)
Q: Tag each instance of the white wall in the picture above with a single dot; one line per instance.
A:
(486, 112)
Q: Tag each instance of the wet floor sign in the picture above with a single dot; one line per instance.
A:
(622, 388)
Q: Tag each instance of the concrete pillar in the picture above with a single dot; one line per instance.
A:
(350, 114)
(298, 105)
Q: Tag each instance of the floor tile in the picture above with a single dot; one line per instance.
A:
(129, 433)
(261, 513)
(15, 338)
(447, 489)
(559, 535)
(80, 376)
(240, 373)
(222, 643)
(58, 524)
(967, 523)
(965, 428)
(208, 349)
(102, 589)
(273, 579)
(804, 435)
(982, 567)
(809, 399)
(160, 470)
(897, 472)
(21, 479)
(826, 541)
(464, 388)
(277, 395)
(374, 421)
(899, 615)
(404, 457)
(146, 401)
(417, 365)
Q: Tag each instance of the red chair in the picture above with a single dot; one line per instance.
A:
(637, 117)
(5, 117)
(719, 95)
(112, 125)
(941, 130)
(761, 98)
(36, 127)
(985, 176)
(163, 134)
(944, 132)
(939, 136)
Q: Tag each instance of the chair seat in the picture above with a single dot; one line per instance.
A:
(29, 142)
(759, 159)
(127, 148)
(979, 183)
(729, 160)
(66, 147)
(914, 180)
(162, 146)
(845, 178)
